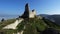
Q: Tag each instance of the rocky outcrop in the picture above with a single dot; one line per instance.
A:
(13, 25)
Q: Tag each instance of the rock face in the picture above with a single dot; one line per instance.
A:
(28, 13)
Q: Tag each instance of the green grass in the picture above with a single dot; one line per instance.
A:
(8, 31)
(35, 25)
(31, 26)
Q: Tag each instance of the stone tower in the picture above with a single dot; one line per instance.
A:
(28, 13)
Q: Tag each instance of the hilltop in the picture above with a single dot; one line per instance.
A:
(31, 26)
(29, 23)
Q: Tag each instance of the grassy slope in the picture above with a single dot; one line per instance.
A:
(8, 31)
(6, 22)
(51, 24)
(32, 26)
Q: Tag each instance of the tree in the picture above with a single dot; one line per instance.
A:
(2, 19)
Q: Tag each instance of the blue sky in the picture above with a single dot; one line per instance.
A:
(16, 7)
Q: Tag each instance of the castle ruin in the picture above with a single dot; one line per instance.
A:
(27, 13)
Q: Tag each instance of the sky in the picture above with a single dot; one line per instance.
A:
(17, 7)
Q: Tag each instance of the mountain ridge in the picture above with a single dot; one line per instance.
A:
(53, 18)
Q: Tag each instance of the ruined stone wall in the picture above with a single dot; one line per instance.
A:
(32, 14)
(28, 13)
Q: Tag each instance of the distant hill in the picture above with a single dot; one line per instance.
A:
(53, 18)
(8, 16)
